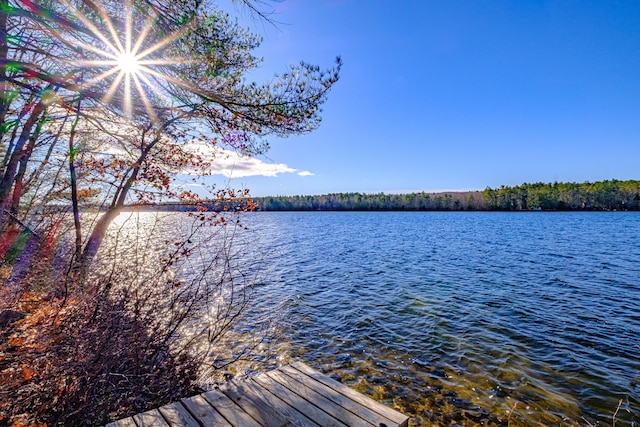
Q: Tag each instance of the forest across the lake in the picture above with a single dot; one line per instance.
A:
(557, 196)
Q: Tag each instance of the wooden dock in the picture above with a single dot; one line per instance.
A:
(295, 395)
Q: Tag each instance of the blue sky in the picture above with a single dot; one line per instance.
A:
(456, 95)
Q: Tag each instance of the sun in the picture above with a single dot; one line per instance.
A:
(128, 63)
(123, 55)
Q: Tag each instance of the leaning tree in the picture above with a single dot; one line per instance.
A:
(103, 103)
(131, 87)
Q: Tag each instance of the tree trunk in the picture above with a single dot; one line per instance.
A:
(97, 235)
(100, 229)
(74, 183)
(4, 52)
(18, 155)
(18, 188)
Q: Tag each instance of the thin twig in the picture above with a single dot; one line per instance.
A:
(616, 413)
(511, 413)
(23, 225)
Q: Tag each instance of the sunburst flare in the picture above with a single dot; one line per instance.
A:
(126, 59)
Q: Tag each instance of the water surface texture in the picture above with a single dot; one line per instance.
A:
(462, 318)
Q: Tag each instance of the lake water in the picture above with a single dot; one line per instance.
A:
(468, 318)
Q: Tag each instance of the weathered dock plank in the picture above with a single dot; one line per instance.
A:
(204, 412)
(394, 416)
(152, 418)
(125, 422)
(178, 416)
(298, 409)
(229, 410)
(284, 409)
(319, 408)
(363, 411)
(251, 403)
(295, 395)
(300, 385)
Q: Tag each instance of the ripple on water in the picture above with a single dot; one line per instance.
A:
(462, 318)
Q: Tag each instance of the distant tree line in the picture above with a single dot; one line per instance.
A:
(601, 195)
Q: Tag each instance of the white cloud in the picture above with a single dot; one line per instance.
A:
(234, 165)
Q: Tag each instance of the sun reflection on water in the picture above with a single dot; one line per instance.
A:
(447, 340)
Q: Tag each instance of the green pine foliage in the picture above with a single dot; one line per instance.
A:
(587, 196)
